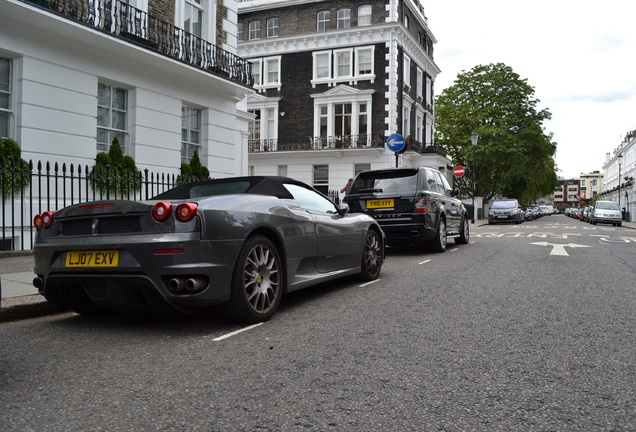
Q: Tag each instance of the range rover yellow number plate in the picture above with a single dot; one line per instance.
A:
(380, 203)
(108, 258)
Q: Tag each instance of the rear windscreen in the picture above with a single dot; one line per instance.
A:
(389, 182)
(219, 189)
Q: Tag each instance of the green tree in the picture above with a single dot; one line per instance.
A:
(115, 172)
(16, 174)
(514, 157)
(194, 171)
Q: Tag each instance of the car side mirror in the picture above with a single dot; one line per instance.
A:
(455, 192)
(343, 209)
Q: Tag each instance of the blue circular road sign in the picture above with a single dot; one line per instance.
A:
(395, 143)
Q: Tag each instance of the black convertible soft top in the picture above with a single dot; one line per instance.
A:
(258, 185)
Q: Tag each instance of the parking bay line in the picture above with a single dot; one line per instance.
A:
(424, 262)
(368, 283)
(234, 333)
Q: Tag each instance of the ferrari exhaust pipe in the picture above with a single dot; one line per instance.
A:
(194, 284)
(176, 284)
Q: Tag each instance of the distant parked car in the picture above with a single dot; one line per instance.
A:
(545, 210)
(505, 210)
(606, 212)
(528, 214)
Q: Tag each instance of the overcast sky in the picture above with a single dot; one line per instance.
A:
(579, 55)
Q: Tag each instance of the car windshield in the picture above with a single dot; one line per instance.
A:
(503, 204)
(390, 182)
(604, 205)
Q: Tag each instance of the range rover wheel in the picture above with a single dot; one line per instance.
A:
(464, 232)
(439, 244)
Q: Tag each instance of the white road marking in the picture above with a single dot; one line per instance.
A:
(559, 249)
(369, 283)
(424, 262)
(234, 333)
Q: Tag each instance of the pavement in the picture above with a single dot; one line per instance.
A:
(21, 300)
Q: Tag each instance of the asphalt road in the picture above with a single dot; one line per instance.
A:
(530, 327)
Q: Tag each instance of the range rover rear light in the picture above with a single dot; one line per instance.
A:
(421, 205)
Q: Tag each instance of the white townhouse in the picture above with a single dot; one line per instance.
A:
(161, 75)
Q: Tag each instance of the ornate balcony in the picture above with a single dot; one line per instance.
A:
(124, 21)
(353, 142)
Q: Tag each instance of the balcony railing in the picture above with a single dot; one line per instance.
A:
(120, 19)
(335, 143)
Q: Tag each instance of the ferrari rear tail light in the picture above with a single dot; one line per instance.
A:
(43, 220)
(421, 205)
(186, 211)
(161, 211)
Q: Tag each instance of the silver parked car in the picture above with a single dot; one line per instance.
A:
(606, 212)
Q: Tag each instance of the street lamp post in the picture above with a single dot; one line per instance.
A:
(619, 157)
(473, 139)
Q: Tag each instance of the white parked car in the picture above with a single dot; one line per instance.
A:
(606, 212)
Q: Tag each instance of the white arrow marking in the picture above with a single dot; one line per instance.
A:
(559, 249)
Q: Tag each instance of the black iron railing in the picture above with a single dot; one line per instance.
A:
(122, 20)
(336, 143)
(28, 189)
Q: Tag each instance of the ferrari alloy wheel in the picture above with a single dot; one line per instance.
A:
(371, 256)
(439, 244)
(257, 284)
(464, 232)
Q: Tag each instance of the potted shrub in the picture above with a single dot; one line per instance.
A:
(115, 173)
(16, 173)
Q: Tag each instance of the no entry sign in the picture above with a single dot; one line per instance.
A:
(459, 171)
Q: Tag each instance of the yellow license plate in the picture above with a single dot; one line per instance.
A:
(107, 258)
(380, 203)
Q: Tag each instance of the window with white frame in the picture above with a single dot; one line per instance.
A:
(190, 132)
(323, 20)
(322, 65)
(193, 17)
(429, 91)
(348, 64)
(263, 130)
(343, 63)
(406, 120)
(272, 27)
(255, 30)
(420, 82)
(358, 168)
(364, 15)
(419, 127)
(407, 71)
(256, 71)
(338, 114)
(321, 178)
(266, 71)
(272, 70)
(239, 32)
(342, 124)
(344, 18)
(112, 117)
(6, 112)
(364, 61)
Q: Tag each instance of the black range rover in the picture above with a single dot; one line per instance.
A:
(412, 205)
